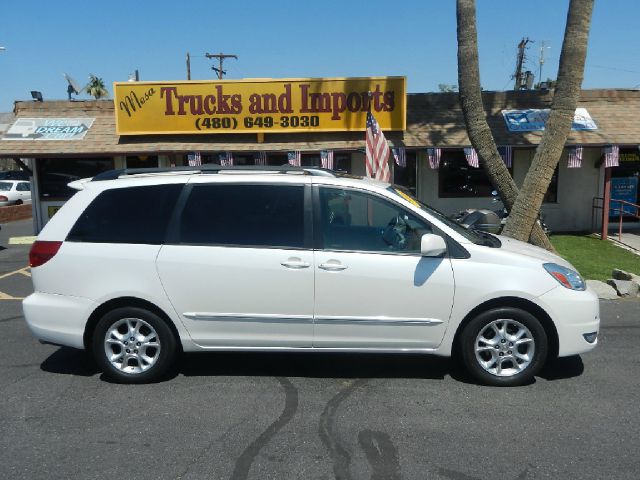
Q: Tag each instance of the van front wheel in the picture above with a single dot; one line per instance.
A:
(133, 345)
(504, 347)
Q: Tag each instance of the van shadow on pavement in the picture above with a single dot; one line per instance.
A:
(69, 361)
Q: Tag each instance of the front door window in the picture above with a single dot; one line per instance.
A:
(357, 221)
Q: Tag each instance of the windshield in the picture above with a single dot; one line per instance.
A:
(475, 236)
(5, 186)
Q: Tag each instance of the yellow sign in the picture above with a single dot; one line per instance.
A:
(259, 105)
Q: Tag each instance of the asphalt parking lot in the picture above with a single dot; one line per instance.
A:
(316, 416)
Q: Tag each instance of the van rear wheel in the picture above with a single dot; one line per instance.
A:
(133, 345)
(504, 347)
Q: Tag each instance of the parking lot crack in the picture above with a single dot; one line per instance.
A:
(244, 462)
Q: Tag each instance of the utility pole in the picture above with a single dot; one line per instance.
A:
(188, 66)
(220, 57)
(519, 75)
(542, 47)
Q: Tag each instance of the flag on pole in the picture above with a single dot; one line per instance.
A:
(472, 157)
(326, 159)
(260, 158)
(294, 158)
(574, 158)
(611, 156)
(400, 156)
(194, 159)
(377, 158)
(506, 153)
(226, 159)
(434, 154)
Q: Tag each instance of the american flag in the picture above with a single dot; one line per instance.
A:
(226, 159)
(611, 156)
(434, 155)
(194, 159)
(294, 158)
(507, 155)
(260, 158)
(472, 157)
(377, 151)
(326, 159)
(574, 159)
(400, 156)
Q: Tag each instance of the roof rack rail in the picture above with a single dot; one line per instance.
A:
(212, 168)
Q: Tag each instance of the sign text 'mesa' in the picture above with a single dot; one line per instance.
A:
(335, 103)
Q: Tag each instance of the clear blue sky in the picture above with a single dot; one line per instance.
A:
(45, 39)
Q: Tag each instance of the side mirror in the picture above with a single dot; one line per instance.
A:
(432, 245)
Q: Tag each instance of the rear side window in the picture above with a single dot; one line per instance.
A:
(127, 215)
(244, 215)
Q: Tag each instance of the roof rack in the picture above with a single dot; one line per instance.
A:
(212, 168)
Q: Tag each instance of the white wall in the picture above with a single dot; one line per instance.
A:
(576, 189)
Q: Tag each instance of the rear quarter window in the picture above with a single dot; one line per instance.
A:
(127, 215)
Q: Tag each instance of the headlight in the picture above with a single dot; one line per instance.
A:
(565, 276)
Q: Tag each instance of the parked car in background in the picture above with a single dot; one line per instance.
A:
(14, 192)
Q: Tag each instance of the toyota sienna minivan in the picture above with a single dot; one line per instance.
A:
(141, 265)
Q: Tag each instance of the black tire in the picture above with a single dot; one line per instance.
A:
(507, 352)
(137, 370)
(18, 202)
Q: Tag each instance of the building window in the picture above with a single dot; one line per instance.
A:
(55, 173)
(142, 161)
(458, 179)
(406, 176)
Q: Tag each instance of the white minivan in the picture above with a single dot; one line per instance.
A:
(140, 265)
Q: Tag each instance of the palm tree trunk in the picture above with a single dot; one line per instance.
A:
(525, 209)
(475, 116)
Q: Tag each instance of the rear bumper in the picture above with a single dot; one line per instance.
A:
(575, 314)
(57, 319)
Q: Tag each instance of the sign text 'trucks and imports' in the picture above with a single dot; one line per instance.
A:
(259, 105)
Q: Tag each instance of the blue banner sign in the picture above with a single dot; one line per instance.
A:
(534, 119)
(623, 188)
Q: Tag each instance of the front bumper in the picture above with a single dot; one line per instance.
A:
(57, 319)
(574, 313)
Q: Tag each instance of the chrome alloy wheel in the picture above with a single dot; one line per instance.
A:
(131, 345)
(504, 347)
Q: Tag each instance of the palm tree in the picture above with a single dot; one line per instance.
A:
(523, 205)
(96, 87)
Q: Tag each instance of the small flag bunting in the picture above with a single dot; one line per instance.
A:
(400, 156)
(294, 158)
(574, 157)
(194, 159)
(326, 159)
(260, 158)
(226, 159)
(434, 154)
(472, 157)
(611, 156)
(506, 152)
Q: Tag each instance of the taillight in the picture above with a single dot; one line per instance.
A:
(3, 198)
(42, 251)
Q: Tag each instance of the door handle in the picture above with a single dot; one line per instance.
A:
(332, 266)
(295, 263)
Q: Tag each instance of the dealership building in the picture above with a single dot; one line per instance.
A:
(170, 124)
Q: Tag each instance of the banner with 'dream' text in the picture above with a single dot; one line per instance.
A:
(259, 106)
